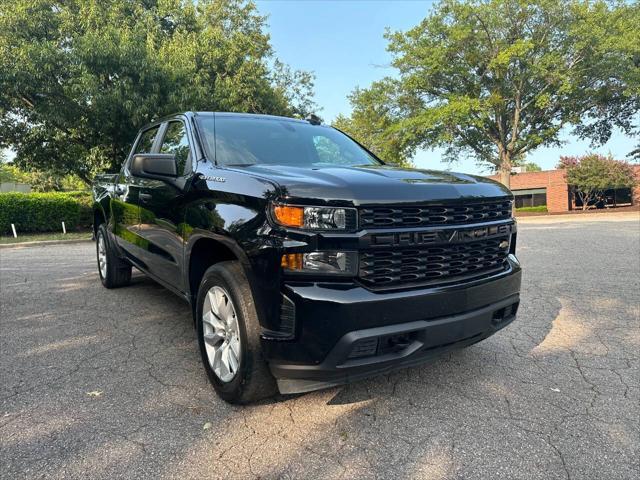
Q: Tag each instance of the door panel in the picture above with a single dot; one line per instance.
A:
(125, 203)
(162, 211)
(126, 214)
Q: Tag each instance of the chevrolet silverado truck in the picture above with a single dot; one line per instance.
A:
(306, 260)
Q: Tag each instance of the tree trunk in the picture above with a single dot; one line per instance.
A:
(585, 198)
(505, 168)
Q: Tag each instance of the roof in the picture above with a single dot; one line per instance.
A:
(230, 114)
(250, 115)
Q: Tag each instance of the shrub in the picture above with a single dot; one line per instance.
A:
(44, 212)
(539, 208)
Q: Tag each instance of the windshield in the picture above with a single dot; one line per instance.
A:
(242, 141)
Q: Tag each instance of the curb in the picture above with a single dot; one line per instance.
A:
(42, 243)
(611, 217)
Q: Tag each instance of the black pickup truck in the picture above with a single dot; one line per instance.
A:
(306, 260)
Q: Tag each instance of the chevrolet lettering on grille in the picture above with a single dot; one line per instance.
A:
(406, 239)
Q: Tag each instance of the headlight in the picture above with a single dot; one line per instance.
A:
(315, 218)
(330, 263)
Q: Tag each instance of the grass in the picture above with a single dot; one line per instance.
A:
(540, 208)
(37, 237)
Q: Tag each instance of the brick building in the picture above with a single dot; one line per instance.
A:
(550, 188)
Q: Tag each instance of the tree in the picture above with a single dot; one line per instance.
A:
(78, 78)
(521, 161)
(529, 166)
(12, 174)
(496, 79)
(40, 181)
(590, 175)
(371, 122)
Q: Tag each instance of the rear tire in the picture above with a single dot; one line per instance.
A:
(114, 272)
(231, 353)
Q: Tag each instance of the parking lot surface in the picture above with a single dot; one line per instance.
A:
(104, 384)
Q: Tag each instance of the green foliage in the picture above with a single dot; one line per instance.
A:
(372, 122)
(521, 161)
(498, 78)
(78, 79)
(52, 182)
(12, 174)
(531, 167)
(71, 182)
(44, 212)
(591, 174)
(40, 181)
(539, 208)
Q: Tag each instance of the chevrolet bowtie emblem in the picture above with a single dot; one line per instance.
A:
(503, 244)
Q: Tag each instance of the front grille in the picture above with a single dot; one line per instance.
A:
(423, 216)
(434, 264)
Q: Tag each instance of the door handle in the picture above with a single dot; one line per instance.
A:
(145, 197)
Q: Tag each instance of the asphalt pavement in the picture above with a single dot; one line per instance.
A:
(106, 384)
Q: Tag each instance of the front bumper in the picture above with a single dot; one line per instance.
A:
(345, 332)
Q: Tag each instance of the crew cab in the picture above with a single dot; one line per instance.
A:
(307, 261)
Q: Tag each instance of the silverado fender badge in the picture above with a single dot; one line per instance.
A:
(214, 179)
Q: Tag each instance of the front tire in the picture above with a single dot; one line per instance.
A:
(229, 336)
(114, 272)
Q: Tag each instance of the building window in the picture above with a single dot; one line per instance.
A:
(613, 197)
(531, 197)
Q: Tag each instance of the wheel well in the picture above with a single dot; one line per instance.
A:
(204, 253)
(98, 219)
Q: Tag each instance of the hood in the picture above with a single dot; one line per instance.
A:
(376, 184)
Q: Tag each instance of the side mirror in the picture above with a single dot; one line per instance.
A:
(158, 166)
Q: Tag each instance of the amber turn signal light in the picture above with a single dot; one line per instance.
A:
(289, 216)
(292, 261)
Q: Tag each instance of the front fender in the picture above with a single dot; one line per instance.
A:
(239, 225)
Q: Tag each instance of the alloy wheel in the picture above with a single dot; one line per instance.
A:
(102, 256)
(221, 333)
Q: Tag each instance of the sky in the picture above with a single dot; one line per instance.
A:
(342, 42)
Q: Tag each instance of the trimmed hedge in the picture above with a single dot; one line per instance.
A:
(44, 212)
(540, 208)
